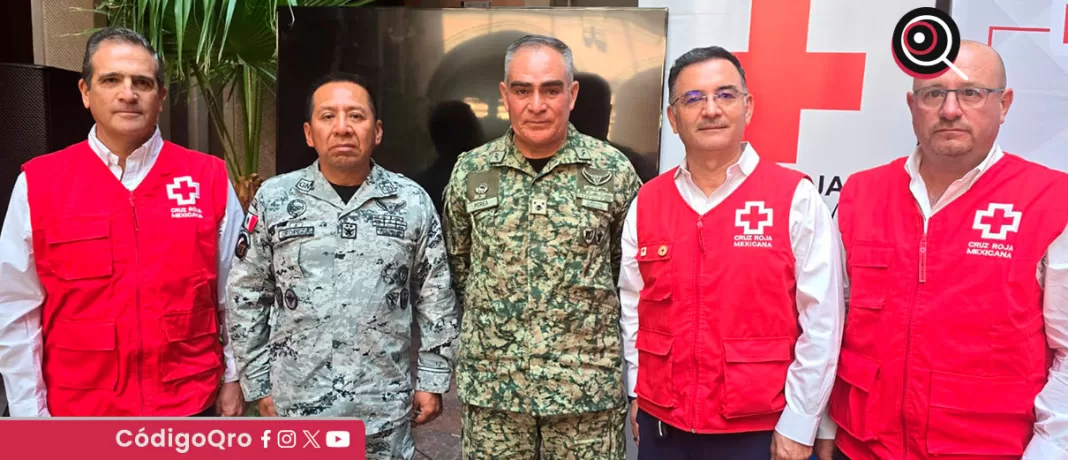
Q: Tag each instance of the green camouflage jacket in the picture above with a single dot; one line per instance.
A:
(535, 258)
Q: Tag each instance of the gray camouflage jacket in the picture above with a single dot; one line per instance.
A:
(322, 296)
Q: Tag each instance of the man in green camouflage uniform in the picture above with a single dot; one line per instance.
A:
(333, 264)
(533, 227)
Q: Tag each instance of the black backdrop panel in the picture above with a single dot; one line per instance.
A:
(41, 112)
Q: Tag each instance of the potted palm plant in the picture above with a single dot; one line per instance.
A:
(226, 49)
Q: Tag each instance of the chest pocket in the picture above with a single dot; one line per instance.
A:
(869, 271)
(585, 224)
(389, 223)
(80, 250)
(484, 206)
(304, 251)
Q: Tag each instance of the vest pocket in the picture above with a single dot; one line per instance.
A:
(868, 269)
(654, 300)
(655, 378)
(192, 346)
(852, 402)
(754, 375)
(83, 356)
(80, 249)
(980, 415)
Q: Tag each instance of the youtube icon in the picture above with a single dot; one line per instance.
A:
(337, 439)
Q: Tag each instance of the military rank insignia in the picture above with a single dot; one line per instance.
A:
(304, 185)
(348, 230)
(483, 188)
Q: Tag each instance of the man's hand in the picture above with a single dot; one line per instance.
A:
(825, 449)
(634, 420)
(266, 407)
(783, 448)
(231, 402)
(425, 407)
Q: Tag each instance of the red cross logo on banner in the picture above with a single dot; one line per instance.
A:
(785, 78)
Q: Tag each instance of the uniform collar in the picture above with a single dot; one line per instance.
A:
(379, 184)
(505, 153)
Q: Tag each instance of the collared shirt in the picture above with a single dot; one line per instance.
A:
(323, 295)
(21, 294)
(535, 255)
(820, 304)
(1051, 405)
(954, 191)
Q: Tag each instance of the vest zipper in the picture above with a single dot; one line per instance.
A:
(923, 257)
(137, 307)
(908, 341)
(701, 236)
(697, 321)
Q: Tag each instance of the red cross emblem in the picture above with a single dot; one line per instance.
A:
(184, 191)
(997, 221)
(748, 218)
(778, 47)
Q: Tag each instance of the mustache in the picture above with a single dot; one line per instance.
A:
(712, 125)
(942, 127)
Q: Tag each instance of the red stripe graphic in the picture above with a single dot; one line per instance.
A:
(1066, 24)
(990, 33)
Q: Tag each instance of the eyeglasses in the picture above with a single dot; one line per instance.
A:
(967, 97)
(724, 98)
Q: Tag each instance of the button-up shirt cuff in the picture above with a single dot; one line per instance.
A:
(798, 427)
(828, 429)
(230, 375)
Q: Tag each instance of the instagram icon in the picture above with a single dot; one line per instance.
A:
(287, 439)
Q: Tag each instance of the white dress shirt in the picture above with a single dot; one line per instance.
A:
(1051, 405)
(820, 305)
(21, 294)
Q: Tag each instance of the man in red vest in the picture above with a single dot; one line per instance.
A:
(957, 258)
(731, 287)
(112, 256)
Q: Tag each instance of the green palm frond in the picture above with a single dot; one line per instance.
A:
(226, 48)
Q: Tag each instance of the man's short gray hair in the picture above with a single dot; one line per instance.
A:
(118, 35)
(541, 40)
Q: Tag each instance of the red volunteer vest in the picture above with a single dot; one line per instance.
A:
(944, 348)
(129, 320)
(717, 317)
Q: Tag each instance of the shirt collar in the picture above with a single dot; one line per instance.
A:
(143, 154)
(912, 165)
(745, 165)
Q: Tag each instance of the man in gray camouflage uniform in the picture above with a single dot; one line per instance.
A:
(334, 263)
(533, 225)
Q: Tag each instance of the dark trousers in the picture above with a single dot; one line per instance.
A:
(209, 412)
(838, 455)
(658, 441)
